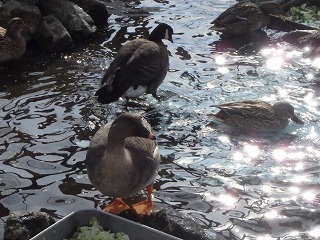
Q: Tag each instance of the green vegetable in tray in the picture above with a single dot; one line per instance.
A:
(96, 232)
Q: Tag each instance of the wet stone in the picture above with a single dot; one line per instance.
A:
(176, 223)
(52, 36)
(78, 23)
(25, 225)
(96, 10)
(24, 2)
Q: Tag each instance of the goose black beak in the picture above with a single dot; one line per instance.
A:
(297, 120)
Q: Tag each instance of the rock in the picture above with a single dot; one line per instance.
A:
(177, 224)
(52, 36)
(78, 23)
(96, 10)
(25, 2)
(25, 225)
(31, 16)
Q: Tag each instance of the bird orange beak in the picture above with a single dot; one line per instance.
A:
(151, 136)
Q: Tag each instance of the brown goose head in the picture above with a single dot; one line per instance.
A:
(129, 125)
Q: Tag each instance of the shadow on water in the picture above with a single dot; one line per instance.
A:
(242, 186)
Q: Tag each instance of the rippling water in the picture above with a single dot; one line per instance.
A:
(241, 186)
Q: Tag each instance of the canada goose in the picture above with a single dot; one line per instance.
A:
(139, 67)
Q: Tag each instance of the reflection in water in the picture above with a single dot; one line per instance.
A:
(242, 186)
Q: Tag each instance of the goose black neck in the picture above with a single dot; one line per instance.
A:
(154, 37)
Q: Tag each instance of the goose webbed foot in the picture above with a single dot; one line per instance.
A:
(145, 207)
(117, 206)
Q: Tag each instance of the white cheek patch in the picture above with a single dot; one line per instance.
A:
(135, 92)
(155, 152)
(166, 36)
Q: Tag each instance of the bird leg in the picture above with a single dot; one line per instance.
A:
(117, 206)
(145, 207)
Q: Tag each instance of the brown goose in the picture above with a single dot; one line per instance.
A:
(122, 159)
(139, 67)
(246, 17)
(256, 116)
(12, 43)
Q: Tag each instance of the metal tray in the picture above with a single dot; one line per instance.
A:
(69, 224)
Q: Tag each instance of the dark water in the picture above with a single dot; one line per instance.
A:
(241, 186)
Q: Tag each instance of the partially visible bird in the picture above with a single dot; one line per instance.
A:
(246, 17)
(312, 40)
(122, 159)
(12, 43)
(256, 116)
(139, 67)
(305, 38)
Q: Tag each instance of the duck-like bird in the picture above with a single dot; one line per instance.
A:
(139, 67)
(256, 116)
(12, 43)
(122, 159)
(246, 17)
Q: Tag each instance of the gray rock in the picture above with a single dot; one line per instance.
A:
(78, 23)
(178, 224)
(96, 10)
(31, 16)
(52, 36)
(25, 225)
(25, 2)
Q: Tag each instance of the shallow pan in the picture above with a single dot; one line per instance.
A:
(69, 224)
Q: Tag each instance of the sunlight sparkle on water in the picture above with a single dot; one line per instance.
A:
(300, 179)
(294, 234)
(266, 51)
(266, 237)
(237, 156)
(315, 232)
(293, 54)
(275, 63)
(252, 151)
(210, 85)
(224, 139)
(299, 166)
(227, 199)
(313, 133)
(310, 100)
(266, 188)
(316, 63)
(223, 70)
(220, 60)
(294, 189)
(279, 154)
(309, 76)
(309, 196)
(283, 92)
(271, 214)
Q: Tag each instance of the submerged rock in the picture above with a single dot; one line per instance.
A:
(78, 23)
(52, 36)
(25, 225)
